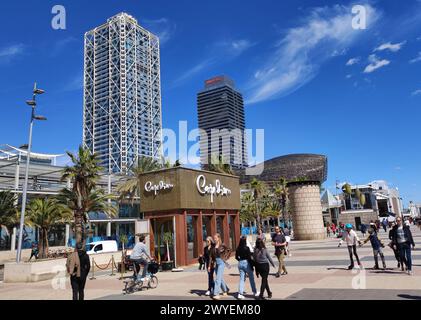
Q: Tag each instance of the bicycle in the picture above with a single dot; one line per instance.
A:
(134, 283)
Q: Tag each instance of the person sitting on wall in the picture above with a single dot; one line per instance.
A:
(140, 255)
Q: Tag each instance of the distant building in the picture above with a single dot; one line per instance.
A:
(380, 201)
(44, 180)
(122, 93)
(220, 107)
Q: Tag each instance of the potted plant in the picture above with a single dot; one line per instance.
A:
(122, 266)
(167, 237)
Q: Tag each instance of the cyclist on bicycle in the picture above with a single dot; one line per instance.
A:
(140, 255)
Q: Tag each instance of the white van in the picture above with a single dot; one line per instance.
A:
(102, 247)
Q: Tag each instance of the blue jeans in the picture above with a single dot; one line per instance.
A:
(139, 262)
(220, 283)
(405, 254)
(245, 268)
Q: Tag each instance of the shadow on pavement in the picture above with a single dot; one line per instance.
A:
(387, 271)
(200, 293)
(334, 268)
(407, 296)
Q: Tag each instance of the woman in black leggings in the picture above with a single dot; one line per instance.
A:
(262, 258)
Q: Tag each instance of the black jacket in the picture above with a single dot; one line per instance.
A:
(85, 264)
(407, 232)
(243, 253)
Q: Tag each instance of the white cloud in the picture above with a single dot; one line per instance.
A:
(219, 52)
(375, 63)
(194, 70)
(239, 46)
(416, 92)
(60, 45)
(163, 28)
(390, 46)
(9, 52)
(348, 76)
(398, 168)
(303, 49)
(416, 59)
(352, 61)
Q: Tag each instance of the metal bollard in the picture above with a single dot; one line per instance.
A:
(93, 270)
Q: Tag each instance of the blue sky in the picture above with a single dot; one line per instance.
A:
(311, 81)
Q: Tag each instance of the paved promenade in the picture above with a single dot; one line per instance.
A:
(316, 270)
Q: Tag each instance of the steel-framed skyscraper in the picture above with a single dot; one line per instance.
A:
(122, 117)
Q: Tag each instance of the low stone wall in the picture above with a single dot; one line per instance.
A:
(349, 217)
(48, 269)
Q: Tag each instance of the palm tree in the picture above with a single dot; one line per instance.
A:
(346, 189)
(281, 191)
(258, 189)
(8, 210)
(82, 196)
(247, 208)
(132, 188)
(218, 164)
(43, 214)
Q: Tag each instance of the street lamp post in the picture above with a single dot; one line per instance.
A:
(32, 103)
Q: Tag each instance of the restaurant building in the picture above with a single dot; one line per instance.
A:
(184, 206)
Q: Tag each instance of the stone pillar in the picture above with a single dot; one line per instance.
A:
(307, 213)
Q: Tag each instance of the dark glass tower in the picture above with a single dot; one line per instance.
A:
(221, 118)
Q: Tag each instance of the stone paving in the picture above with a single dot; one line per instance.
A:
(316, 270)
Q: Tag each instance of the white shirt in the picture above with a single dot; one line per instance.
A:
(351, 238)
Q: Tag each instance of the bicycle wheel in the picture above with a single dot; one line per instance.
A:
(153, 282)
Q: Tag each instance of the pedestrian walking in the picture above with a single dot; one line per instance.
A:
(78, 266)
(378, 224)
(261, 235)
(262, 259)
(363, 229)
(402, 238)
(218, 256)
(377, 246)
(34, 251)
(351, 238)
(395, 249)
(245, 267)
(210, 268)
(333, 226)
(384, 224)
(328, 230)
(279, 242)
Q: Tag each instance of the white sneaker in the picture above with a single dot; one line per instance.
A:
(240, 297)
(409, 273)
(257, 294)
(207, 293)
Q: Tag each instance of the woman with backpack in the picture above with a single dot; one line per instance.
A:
(219, 254)
(262, 259)
(245, 267)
